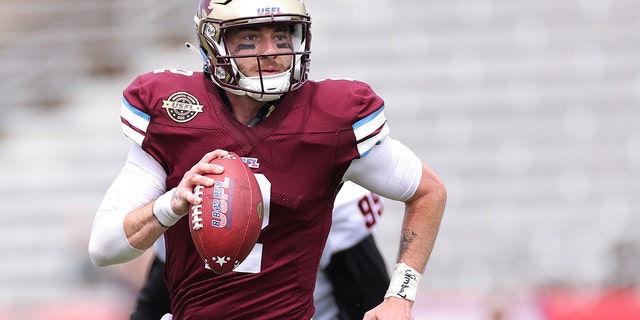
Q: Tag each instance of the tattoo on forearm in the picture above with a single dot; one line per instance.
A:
(407, 237)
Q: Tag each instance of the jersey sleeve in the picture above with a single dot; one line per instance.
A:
(370, 130)
(370, 126)
(363, 108)
(134, 116)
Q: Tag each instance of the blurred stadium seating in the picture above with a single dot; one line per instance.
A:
(46, 46)
(529, 111)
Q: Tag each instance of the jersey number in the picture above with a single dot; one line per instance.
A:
(253, 262)
(371, 208)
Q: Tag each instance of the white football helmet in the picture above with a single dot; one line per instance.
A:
(214, 17)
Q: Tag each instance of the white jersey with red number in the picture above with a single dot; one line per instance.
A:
(355, 214)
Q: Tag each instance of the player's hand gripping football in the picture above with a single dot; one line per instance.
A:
(184, 195)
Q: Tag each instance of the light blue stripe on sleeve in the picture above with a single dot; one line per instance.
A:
(135, 111)
(369, 124)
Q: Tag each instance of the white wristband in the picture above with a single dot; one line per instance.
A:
(404, 282)
(162, 210)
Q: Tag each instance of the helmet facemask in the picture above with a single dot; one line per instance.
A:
(224, 64)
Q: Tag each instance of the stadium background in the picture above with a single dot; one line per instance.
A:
(528, 110)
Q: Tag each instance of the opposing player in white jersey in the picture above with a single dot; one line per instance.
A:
(352, 277)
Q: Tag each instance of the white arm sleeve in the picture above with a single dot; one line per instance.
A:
(390, 169)
(141, 180)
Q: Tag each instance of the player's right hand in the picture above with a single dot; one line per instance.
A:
(184, 195)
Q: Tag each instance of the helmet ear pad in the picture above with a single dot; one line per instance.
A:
(211, 45)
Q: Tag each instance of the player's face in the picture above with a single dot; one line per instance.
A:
(273, 41)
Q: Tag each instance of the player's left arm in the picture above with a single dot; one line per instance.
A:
(395, 172)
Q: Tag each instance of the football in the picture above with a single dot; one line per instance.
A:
(226, 225)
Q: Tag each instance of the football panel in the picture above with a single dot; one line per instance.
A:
(226, 226)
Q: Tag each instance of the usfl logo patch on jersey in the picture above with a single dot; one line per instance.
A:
(182, 107)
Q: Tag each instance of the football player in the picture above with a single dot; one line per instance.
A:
(352, 278)
(302, 138)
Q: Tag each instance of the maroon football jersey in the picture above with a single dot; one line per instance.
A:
(300, 152)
